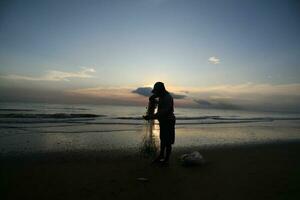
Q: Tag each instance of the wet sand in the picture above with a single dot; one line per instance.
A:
(264, 171)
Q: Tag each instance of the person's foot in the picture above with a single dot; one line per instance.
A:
(164, 162)
(159, 159)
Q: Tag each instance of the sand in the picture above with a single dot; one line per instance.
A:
(265, 171)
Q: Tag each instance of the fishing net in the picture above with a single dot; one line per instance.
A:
(148, 146)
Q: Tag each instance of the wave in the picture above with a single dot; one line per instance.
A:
(178, 118)
(177, 122)
(56, 115)
(17, 110)
(25, 119)
(66, 108)
(10, 125)
(221, 118)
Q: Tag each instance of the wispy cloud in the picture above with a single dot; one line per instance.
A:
(54, 75)
(216, 104)
(249, 96)
(108, 95)
(214, 60)
(268, 97)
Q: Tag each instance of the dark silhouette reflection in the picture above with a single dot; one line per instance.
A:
(165, 115)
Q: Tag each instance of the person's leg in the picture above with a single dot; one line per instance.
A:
(170, 130)
(162, 149)
(168, 151)
(161, 153)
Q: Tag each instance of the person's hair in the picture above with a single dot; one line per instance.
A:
(159, 86)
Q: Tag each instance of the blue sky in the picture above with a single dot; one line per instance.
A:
(130, 44)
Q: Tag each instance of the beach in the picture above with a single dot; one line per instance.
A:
(263, 171)
(50, 151)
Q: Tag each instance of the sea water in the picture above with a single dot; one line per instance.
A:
(36, 127)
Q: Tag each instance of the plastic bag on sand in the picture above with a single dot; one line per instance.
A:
(191, 159)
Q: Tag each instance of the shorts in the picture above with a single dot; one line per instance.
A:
(167, 131)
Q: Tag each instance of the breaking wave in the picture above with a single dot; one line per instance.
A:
(8, 120)
(221, 118)
(15, 110)
(56, 115)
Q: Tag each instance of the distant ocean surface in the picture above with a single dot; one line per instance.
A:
(27, 127)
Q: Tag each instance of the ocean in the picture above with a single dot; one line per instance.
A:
(41, 127)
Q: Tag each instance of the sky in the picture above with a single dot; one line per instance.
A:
(209, 53)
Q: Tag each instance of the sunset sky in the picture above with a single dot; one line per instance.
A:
(237, 54)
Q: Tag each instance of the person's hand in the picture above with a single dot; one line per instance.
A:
(152, 97)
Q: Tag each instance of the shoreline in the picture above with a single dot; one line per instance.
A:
(260, 171)
(115, 153)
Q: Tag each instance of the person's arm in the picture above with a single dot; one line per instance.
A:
(153, 102)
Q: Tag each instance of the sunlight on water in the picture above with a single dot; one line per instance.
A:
(150, 140)
(156, 130)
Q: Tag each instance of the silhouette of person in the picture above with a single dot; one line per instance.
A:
(165, 116)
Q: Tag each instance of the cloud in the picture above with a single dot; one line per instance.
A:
(214, 60)
(107, 95)
(178, 96)
(203, 102)
(54, 75)
(146, 91)
(216, 104)
(249, 96)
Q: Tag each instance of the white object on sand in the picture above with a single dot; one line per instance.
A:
(142, 179)
(194, 158)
